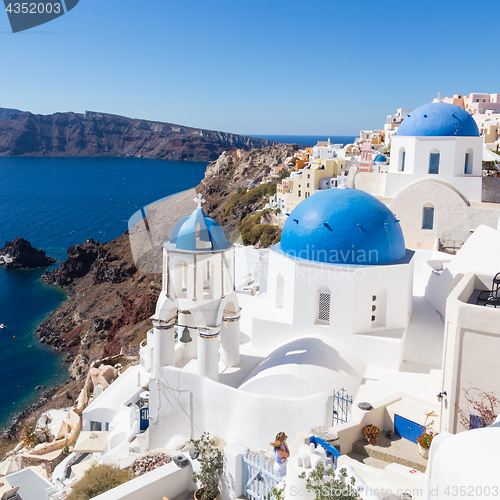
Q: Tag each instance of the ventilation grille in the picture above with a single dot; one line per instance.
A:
(324, 307)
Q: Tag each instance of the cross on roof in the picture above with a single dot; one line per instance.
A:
(199, 199)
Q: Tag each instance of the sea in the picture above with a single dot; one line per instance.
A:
(55, 203)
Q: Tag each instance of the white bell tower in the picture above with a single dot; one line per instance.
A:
(197, 314)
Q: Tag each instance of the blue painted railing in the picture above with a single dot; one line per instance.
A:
(328, 448)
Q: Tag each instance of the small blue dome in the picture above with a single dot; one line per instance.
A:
(198, 233)
(439, 119)
(343, 226)
(381, 158)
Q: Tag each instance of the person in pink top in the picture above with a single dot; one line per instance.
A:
(281, 454)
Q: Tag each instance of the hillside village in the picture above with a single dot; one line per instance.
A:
(362, 322)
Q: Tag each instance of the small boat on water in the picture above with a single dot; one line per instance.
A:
(2, 326)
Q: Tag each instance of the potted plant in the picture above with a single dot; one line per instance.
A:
(211, 467)
(425, 439)
(371, 433)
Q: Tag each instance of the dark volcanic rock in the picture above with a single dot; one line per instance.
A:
(19, 254)
(101, 134)
(89, 257)
(109, 303)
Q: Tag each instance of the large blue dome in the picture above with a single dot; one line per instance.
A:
(343, 226)
(439, 119)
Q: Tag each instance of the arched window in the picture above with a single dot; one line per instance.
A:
(208, 280)
(280, 291)
(468, 162)
(379, 308)
(323, 301)
(180, 279)
(402, 158)
(434, 162)
(428, 216)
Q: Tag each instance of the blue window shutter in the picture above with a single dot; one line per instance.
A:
(428, 218)
(434, 163)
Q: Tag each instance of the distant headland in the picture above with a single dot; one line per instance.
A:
(100, 134)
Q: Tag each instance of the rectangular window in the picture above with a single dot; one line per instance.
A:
(299, 193)
(466, 168)
(428, 219)
(324, 307)
(434, 163)
(95, 426)
(307, 184)
(403, 161)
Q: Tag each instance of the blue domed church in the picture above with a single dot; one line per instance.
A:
(441, 141)
(434, 179)
(342, 271)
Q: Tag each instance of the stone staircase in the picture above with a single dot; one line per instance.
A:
(388, 451)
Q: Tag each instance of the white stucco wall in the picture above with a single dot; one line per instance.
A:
(183, 405)
(451, 163)
(454, 218)
(472, 344)
(479, 254)
(371, 182)
(114, 400)
(451, 475)
(351, 289)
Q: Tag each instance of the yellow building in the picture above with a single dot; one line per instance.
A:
(285, 186)
(320, 175)
(490, 131)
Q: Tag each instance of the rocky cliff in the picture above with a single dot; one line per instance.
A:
(101, 134)
(19, 254)
(236, 170)
(9, 112)
(109, 304)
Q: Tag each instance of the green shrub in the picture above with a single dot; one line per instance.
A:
(99, 479)
(283, 174)
(329, 484)
(211, 466)
(247, 197)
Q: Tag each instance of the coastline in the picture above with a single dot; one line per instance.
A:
(109, 192)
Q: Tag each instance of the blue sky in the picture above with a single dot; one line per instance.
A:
(251, 66)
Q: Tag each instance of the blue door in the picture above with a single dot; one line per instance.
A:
(144, 421)
(407, 429)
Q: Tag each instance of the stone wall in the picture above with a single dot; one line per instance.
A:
(491, 189)
(51, 463)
